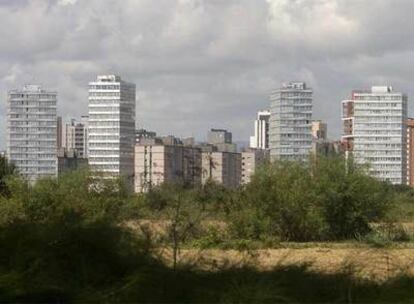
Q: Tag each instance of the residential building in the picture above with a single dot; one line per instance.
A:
(157, 163)
(222, 167)
(32, 131)
(59, 133)
(144, 134)
(260, 140)
(320, 143)
(410, 152)
(222, 139)
(375, 132)
(171, 140)
(111, 126)
(290, 134)
(69, 160)
(189, 141)
(218, 136)
(252, 159)
(319, 130)
(77, 137)
(85, 122)
(326, 147)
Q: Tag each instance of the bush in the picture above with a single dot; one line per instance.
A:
(324, 199)
(60, 238)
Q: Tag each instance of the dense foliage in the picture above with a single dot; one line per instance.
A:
(6, 169)
(326, 199)
(70, 239)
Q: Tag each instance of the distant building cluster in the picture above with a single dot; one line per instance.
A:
(375, 131)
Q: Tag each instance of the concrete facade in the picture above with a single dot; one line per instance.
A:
(69, 160)
(156, 163)
(319, 130)
(222, 167)
(222, 140)
(32, 132)
(260, 139)
(375, 132)
(410, 152)
(59, 130)
(77, 137)
(291, 122)
(112, 126)
(251, 160)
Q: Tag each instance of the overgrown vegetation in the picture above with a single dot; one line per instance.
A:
(65, 240)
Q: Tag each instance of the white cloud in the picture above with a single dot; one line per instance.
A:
(219, 58)
(67, 2)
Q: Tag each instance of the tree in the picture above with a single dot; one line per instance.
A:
(350, 197)
(183, 212)
(323, 199)
(6, 169)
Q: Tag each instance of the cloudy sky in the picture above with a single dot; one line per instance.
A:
(201, 64)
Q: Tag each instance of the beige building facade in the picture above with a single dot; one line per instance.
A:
(251, 160)
(156, 164)
(222, 167)
(410, 151)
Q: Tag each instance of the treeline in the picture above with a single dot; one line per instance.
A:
(69, 239)
(325, 199)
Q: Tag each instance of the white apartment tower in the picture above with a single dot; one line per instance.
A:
(260, 140)
(290, 131)
(32, 132)
(111, 126)
(374, 131)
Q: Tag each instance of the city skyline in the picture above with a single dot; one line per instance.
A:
(219, 58)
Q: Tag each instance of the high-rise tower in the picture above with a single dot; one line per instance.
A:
(32, 131)
(290, 135)
(375, 132)
(111, 126)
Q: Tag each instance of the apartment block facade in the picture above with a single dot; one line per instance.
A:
(222, 167)
(410, 152)
(222, 140)
(319, 130)
(77, 137)
(290, 135)
(32, 131)
(111, 126)
(252, 159)
(157, 163)
(375, 132)
(69, 160)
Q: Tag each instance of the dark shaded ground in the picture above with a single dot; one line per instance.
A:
(101, 263)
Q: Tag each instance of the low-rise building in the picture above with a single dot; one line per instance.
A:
(157, 163)
(327, 147)
(410, 152)
(222, 167)
(142, 134)
(251, 160)
(69, 159)
(222, 140)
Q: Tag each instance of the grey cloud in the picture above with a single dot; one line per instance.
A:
(200, 64)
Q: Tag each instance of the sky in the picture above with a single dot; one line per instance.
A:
(203, 64)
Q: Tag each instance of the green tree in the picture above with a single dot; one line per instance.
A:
(322, 199)
(6, 169)
(350, 197)
(280, 201)
(183, 212)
